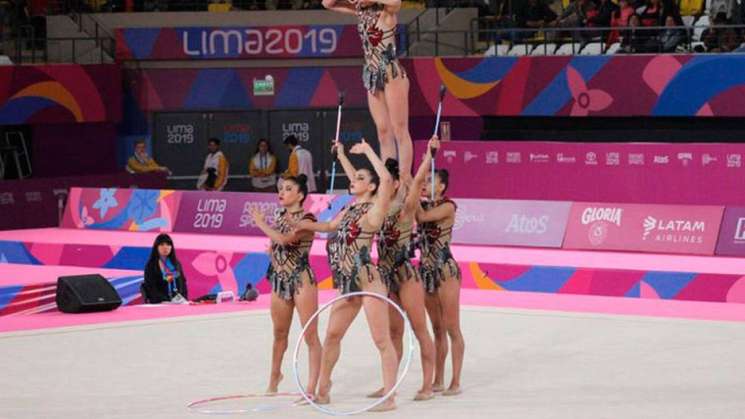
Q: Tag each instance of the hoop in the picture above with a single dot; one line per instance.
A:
(194, 406)
(407, 363)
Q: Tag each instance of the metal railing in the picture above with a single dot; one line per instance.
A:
(570, 41)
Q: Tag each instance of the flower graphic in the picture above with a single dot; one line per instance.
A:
(585, 101)
(217, 264)
(105, 201)
(143, 205)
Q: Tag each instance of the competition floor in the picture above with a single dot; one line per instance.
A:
(520, 363)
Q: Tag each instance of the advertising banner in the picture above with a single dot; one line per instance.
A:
(732, 234)
(646, 228)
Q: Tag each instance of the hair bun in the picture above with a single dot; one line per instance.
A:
(391, 165)
(301, 179)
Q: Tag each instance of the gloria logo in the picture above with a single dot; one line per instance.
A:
(561, 158)
(591, 158)
(525, 224)
(599, 219)
(673, 231)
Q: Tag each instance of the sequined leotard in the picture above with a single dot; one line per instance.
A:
(290, 261)
(349, 251)
(436, 262)
(394, 246)
(379, 47)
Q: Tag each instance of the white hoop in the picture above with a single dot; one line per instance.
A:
(409, 333)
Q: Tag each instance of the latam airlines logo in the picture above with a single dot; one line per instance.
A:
(674, 231)
(599, 219)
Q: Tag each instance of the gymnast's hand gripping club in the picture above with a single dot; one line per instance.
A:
(437, 129)
(336, 141)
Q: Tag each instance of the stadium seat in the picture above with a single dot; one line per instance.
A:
(613, 48)
(499, 50)
(520, 49)
(568, 49)
(593, 48)
(544, 49)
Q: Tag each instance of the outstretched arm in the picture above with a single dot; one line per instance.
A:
(314, 226)
(274, 235)
(340, 6)
(412, 199)
(349, 169)
(377, 213)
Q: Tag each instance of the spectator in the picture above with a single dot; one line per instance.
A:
(573, 16)
(214, 176)
(534, 14)
(263, 168)
(636, 40)
(720, 39)
(650, 14)
(301, 162)
(605, 12)
(140, 162)
(164, 277)
(620, 19)
(672, 36)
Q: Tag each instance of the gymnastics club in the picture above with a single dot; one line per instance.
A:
(336, 142)
(437, 129)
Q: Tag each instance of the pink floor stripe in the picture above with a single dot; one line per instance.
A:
(471, 298)
(481, 254)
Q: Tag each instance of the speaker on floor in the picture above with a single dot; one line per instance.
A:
(86, 294)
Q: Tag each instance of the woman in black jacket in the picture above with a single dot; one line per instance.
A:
(164, 278)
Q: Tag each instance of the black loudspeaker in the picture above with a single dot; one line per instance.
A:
(86, 294)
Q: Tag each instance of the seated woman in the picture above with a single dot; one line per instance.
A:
(263, 168)
(164, 278)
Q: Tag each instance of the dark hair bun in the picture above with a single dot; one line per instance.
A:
(392, 166)
(301, 179)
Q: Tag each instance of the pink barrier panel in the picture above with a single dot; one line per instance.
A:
(517, 223)
(34, 203)
(121, 209)
(606, 172)
(732, 234)
(646, 228)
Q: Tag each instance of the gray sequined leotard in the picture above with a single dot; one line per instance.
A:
(290, 261)
(436, 263)
(379, 47)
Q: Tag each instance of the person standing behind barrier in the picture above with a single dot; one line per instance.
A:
(214, 176)
(300, 163)
(440, 273)
(164, 277)
(262, 168)
(140, 162)
(293, 281)
(382, 75)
